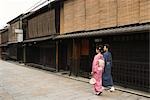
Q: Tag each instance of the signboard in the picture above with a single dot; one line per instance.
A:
(98, 40)
(19, 37)
(19, 31)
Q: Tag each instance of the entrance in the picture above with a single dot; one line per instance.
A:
(65, 55)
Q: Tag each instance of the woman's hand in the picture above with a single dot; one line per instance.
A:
(100, 68)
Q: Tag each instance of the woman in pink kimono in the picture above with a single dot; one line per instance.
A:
(97, 70)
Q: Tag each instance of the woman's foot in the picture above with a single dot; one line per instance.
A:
(98, 93)
(112, 89)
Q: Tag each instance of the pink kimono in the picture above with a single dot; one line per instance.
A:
(97, 73)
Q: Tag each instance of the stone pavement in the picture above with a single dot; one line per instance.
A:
(24, 83)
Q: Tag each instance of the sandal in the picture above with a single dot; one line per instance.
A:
(98, 93)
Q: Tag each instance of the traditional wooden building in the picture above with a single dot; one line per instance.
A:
(62, 36)
(40, 27)
(15, 38)
(124, 24)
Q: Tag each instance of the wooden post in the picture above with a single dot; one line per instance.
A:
(0, 53)
(57, 56)
(24, 53)
(76, 56)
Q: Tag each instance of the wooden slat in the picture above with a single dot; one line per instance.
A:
(30, 28)
(41, 33)
(46, 22)
(43, 18)
(128, 12)
(0, 39)
(135, 13)
(12, 35)
(39, 25)
(34, 27)
(4, 36)
(52, 22)
(68, 16)
(42, 25)
(108, 13)
(92, 14)
(85, 47)
(0, 51)
(33, 30)
(144, 11)
(79, 15)
(62, 20)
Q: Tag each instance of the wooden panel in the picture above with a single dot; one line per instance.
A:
(62, 20)
(34, 27)
(79, 15)
(4, 36)
(33, 30)
(68, 16)
(12, 35)
(42, 25)
(72, 17)
(52, 22)
(69, 52)
(103, 14)
(13, 52)
(46, 22)
(135, 13)
(92, 14)
(29, 29)
(128, 12)
(39, 26)
(0, 53)
(108, 13)
(85, 47)
(76, 57)
(123, 13)
(43, 28)
(35, 33)
(144, 11)
(0, 39)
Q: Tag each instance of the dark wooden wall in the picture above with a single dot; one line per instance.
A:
(4, 36)
(12, 51)
(42, 25)
(12, 37)
(42, 53)
(0, 38)
(0, 53)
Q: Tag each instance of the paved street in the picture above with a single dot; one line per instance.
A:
(23, 83)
